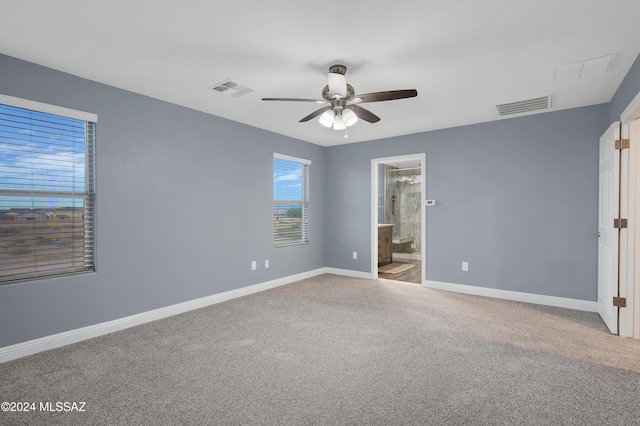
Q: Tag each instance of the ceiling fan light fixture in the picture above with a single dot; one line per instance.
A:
(327, 118)
(338, 123)
(337, 84)
(349, 117)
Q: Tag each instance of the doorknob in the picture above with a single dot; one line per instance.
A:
(596, 234)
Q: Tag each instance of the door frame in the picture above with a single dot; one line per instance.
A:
(629, 318)
(375, 162)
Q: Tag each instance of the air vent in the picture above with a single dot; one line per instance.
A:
(528, 105)
(231, 88)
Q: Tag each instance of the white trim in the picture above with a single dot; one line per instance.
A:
(633, 296)
(625, 245)
(348, 273)
(629, 317)
(399, 158)
(632, 111)
(290, 158)
(53, 341)
(47, 108)
(538, 299)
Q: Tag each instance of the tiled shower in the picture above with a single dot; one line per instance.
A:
(403, 188)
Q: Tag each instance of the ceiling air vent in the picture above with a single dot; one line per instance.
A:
(528, 105)
(232, 88)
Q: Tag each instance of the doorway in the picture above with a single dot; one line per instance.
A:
(398, 218)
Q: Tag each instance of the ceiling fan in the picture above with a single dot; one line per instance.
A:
(344, 110)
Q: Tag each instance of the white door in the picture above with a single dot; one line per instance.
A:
(608, 209)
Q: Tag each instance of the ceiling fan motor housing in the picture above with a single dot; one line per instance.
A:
(326, 94)
(338, 69)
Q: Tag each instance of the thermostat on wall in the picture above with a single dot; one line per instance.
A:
(431, 202)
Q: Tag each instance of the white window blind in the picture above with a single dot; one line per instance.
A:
(290, 200)
(47, 191)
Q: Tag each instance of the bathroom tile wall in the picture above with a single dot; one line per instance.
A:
(402, 207)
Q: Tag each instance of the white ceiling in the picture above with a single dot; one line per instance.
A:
(462, 56)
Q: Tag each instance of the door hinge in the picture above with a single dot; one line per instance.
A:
(622, 143)
(620, 302)
(619, 223)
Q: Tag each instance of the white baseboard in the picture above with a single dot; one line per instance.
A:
(538, 299)
(53, 341)
(348, 273)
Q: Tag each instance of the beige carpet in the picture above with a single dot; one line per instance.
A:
(395, 268)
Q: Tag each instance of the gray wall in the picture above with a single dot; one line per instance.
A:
(627, 90)
(517, 199)
(183, 206)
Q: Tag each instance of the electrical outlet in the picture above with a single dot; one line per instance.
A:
(266, 264)
(254, 265)
(465, 266)
(355, 254)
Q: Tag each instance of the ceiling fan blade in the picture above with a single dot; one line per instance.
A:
(385, 96)
(315, 113)
(364, 114)
(318, 101)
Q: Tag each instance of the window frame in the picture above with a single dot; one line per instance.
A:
(88, 194)
(303, 202)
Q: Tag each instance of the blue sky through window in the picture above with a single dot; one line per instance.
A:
(287, 179)
(41, 152)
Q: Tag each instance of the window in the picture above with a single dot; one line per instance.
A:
(290, 200)
(46, 190)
